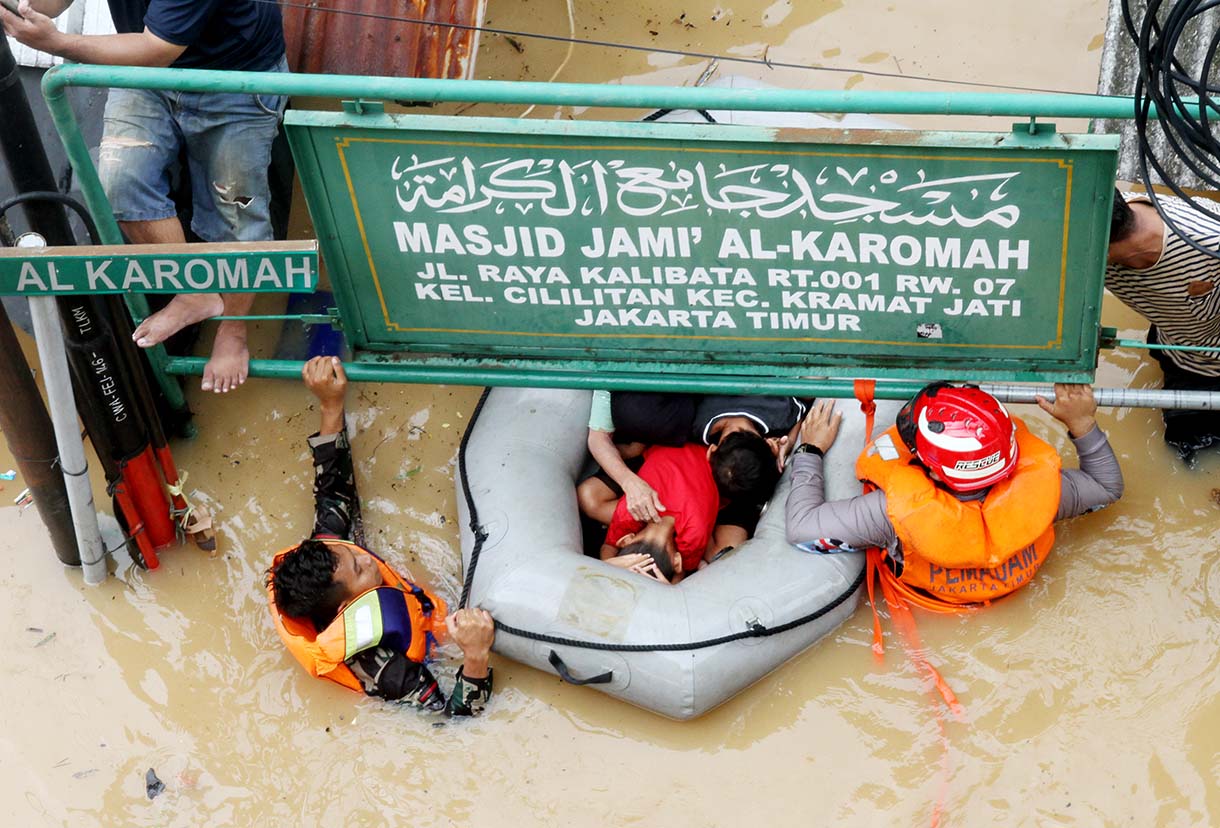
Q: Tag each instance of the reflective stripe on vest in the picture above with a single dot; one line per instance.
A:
(967, 551)
(362, 624)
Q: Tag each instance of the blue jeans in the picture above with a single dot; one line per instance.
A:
(227, 137)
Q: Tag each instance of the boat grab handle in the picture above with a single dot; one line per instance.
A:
(562, 670)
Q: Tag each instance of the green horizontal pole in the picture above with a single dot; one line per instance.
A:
(303, 318)
(422, 373)
(1041, 105)
(1156, 346)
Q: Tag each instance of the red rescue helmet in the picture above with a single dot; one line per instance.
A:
(962, 434)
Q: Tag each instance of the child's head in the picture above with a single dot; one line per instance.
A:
(655, 539)
(744, 467)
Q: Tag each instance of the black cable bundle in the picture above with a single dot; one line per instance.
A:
(1166, 83)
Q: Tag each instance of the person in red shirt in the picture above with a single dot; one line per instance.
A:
(686, 480)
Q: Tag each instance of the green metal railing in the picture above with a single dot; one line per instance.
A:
(57, 81)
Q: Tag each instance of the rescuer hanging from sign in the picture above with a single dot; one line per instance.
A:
(965, 495)
(343, 612)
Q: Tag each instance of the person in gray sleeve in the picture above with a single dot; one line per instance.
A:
(966, 497)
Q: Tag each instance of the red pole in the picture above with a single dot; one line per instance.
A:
(135, 525)
(143, 483)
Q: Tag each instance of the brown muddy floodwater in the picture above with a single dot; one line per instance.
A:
(1091, 697)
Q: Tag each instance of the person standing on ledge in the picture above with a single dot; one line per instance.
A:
(343, 612)
(227, 137)
(1176, 287)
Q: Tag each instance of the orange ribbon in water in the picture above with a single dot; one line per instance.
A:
(898, 599)
(898, 596)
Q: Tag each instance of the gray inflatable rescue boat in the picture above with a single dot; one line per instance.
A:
(675, 650)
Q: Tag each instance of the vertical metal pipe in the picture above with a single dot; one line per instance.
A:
(27, 428)
(22, 148)
(54, 358)
(22, 415)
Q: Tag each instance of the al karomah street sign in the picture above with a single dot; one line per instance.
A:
(951, 252)
(228, 267)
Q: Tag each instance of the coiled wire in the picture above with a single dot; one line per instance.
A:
(1183, 99)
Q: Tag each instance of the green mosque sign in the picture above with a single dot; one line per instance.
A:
(897, 254)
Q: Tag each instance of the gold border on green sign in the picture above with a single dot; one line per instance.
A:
(342, 143)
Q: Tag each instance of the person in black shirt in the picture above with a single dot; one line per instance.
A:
(622, 423)
(227, 138)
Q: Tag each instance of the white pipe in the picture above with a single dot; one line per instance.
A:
(1115, 397)
(54, 358)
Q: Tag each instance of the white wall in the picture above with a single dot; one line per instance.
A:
(82, 17)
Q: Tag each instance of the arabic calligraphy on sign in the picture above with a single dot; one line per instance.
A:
(457, 184)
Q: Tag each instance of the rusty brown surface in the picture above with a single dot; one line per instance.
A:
(324, 39)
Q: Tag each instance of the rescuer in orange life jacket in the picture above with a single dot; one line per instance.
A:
(966, 496)
(343, 613)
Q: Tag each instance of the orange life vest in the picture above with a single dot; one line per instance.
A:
(967, 551)
(358, 625)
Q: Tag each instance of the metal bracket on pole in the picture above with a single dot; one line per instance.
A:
(359, 106)
(1034, 132)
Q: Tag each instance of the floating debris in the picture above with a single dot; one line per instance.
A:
(11, 474)
(46, 638)
(24, 499)
(153, 786)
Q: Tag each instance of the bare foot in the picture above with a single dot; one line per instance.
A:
(184, 309)
(230, 362)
